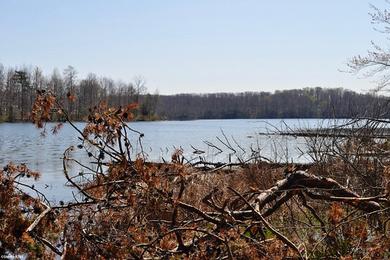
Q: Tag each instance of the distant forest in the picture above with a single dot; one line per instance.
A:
(297, 103)
(18, 88)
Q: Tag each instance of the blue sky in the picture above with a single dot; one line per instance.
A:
(193, 46)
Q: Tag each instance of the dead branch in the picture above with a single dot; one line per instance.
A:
(269, 226)
(328, 189)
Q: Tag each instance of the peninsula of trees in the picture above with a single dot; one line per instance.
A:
(18, 87)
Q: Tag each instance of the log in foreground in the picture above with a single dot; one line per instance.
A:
(315, 187)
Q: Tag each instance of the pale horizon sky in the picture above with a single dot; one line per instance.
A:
(193, 46)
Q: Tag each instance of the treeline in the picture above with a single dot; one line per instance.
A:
(18, 87)
(298, 103)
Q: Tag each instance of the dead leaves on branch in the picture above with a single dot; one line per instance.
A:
(17, 211)
(71, 97)
(43, 108)
(107, 121)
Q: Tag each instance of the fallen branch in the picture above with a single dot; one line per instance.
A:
(30, 230)
(330, 190)
(269, 226)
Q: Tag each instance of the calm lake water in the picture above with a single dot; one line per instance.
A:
(24, 143)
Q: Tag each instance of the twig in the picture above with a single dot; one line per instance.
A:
(269, 226)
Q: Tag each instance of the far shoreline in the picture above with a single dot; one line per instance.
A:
(195, 119)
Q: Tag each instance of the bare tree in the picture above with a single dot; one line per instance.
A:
(70, 77)
(139, 86)
(377, 60)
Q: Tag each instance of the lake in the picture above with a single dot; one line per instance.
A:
(24, 143)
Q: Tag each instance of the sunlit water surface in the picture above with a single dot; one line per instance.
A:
(24, 143)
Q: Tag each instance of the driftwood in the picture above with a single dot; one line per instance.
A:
(296, 184)
(315, 187)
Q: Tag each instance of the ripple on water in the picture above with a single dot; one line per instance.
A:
(22, 142)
